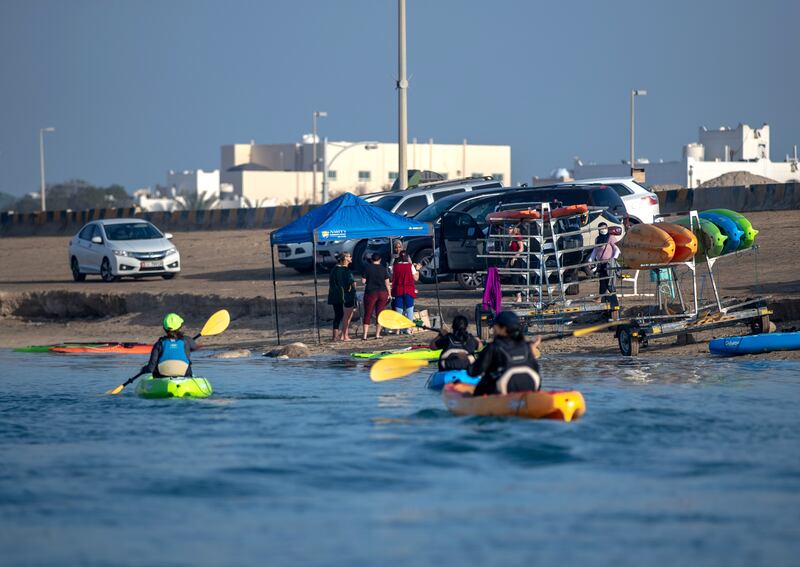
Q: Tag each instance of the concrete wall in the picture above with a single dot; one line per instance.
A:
(770, 197)
(69, 222)
(272, 188)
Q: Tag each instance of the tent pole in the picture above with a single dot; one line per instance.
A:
(275, 293)
(316, 286)
(436, 281)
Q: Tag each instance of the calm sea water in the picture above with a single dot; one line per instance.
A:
(677, 462)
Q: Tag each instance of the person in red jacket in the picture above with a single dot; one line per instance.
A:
(404, 274)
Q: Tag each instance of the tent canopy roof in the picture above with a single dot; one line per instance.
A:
(348, 217)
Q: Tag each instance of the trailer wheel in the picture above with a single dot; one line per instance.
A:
(628, 344)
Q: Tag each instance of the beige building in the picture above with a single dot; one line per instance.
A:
(281, 173)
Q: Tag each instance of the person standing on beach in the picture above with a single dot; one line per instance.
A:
(342, 296)
(377, 290)
(604, 256)
(404, 291)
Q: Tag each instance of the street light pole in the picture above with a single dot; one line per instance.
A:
(402, 101)
(634, 93)
(41, 163)
(314, 115)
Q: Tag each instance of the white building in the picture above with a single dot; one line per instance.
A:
(283, 172)
(727, 150)
(194, 181)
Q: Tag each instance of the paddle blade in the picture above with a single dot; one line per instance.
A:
(116, 390)
(594, 328)
(391, 368)
(394, 320)
(217, 323)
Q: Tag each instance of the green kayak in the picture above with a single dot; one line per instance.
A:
(742, 223)
(48, 348)
(153, 388)
(410, 353)
(710, 240)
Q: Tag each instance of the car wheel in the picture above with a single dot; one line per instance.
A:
(358, 256)
(425, 259)
(168, 276)
(469, 281)
(106, 273)
(76, 270)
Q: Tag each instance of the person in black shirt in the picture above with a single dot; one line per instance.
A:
(377, 290)
(508, 364)
(458, 346)
(342, 296)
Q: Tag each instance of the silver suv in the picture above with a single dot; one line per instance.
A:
(405, 203)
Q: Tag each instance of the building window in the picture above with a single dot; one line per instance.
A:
(364, 176)
(392, 175)
(332, 174)
(498, 176)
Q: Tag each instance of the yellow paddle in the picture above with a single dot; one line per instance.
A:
(391, 368)
(394, 320)
(216, 324)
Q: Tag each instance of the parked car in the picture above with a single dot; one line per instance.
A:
(406, 203)
(604, 202)
(118, 248)
(640, 203)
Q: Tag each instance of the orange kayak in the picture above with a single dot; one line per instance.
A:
(685, 241)
(533, 214)
(646, 244)
(107, 348)
(565, 406)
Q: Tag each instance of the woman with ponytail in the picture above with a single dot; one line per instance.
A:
(508, 364)
(458, 346)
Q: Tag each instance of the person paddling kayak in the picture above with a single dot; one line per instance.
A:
(458, 346)
(508, 364)
(170, 356)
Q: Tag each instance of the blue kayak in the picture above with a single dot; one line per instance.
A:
(728, 227)
(439, 379)
(755, 344)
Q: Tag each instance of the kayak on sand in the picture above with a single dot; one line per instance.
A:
(437, 380)
(566, 405)
(755, 344)
(92, 348)
(188, 387)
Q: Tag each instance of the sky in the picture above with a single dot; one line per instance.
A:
(136, 88)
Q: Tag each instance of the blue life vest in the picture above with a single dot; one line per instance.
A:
(173, 349)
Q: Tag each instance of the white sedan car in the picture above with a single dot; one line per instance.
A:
(122, 247)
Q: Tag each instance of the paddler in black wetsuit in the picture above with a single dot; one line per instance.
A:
(508, 364)
(458, 346)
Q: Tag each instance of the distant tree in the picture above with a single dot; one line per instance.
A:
(7, 201)
(77, 195)
(196, 201)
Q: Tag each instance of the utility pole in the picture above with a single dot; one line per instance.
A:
(316, 114)
(41, 163)
(402, 101)
(634, 93)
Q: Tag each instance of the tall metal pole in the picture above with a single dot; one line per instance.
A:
(402, 101)
(314, 155)
(41, 164)
(633, 94)
(325, 191)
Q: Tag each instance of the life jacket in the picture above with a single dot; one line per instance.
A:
(173, 360)
(403, 280)
(455, 356)
(517, 368)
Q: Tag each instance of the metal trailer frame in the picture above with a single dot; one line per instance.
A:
(640, 330)
(555, 308)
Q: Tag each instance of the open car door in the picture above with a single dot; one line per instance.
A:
(462, 241)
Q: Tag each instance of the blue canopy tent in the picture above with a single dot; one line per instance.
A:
(343, 218)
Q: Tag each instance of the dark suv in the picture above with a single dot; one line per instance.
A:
(458, 245)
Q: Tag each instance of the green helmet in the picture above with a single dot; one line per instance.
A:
(172, 322)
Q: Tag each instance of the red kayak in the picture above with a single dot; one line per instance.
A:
(107, 348)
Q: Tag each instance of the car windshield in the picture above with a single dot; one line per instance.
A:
(132, 231)
(388, 202)
(434, 211)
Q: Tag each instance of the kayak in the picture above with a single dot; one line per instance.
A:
(710, 240)
(728, 228)
(410, 353)
(743, 223)
(124, 348)
(755, 344)
(154, 388)
(566, 405)
(438, 379)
